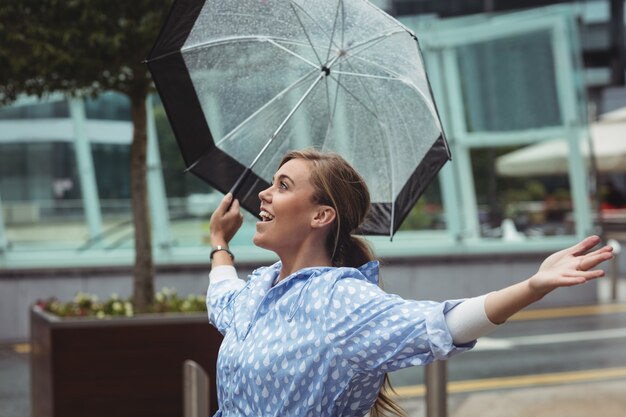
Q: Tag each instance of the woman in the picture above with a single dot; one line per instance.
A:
(313, 334)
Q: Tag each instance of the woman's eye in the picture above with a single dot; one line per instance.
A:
(282, 185)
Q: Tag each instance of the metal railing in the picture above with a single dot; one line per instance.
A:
(615, 272)
(195, 390)
(436, 380)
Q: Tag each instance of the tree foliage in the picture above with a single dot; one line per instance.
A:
(85, 47)
(74, 46)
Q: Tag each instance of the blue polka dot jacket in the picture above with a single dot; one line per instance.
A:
(319, 342)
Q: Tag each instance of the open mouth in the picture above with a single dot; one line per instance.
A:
(265, 216)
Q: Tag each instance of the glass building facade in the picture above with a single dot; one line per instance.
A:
(501, 83)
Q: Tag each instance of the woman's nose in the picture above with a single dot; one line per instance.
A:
(265, 194)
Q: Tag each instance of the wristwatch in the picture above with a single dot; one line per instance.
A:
(222, 248)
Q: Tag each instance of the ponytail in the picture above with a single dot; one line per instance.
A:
(351, 251)
(384, 404)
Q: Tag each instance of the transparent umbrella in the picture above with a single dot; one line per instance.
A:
(245, 81)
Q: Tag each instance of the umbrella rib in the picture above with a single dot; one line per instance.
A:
(400, 78)
(330, 122)
(221, 41)
(354, 97)
(333, 108)
(368, 43)
(322, 29)
(367, 92)
(405, 80)
(343, 25)
(229, 40)
(387, 142)
(240, 125)
(332, 34)
(291, 3)
(260, 109)
(331, 114)
(389, 152)
(330, 107)
(292, 53)
(287, 118)
(377, 65)
(356, 74)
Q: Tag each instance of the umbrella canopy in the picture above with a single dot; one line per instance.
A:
(245, 81)
(551, 157)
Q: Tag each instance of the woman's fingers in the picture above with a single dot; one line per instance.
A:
(590, 260)
(225, 204)
(235, 210)
(603, 249)
(226, 219)
(592, 273)
(584, 245)
(568, 281)
(594, 259)
(576, 277)
(234, 207)
(228, 207)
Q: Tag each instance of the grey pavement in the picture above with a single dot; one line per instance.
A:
(14, 381)
(605, 398)
(602, 399)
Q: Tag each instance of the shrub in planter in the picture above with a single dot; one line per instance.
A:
(92, 359)
(166, 301)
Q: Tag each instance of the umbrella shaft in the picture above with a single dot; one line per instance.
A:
(284, 122)
(240, 180)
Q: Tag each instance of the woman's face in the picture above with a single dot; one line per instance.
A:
(287, 209)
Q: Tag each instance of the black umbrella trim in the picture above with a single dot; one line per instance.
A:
(180, 20)
(183, 109)
(193, 135)
(379, 217)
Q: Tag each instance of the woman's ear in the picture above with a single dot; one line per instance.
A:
(324, 216)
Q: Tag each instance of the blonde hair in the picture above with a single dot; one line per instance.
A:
(337, 184)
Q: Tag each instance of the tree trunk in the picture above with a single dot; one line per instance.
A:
(143, 273)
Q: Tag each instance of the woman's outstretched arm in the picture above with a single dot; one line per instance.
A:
(566, 268)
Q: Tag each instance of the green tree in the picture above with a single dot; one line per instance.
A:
(86, 47)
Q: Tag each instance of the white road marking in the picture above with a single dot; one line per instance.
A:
(490, 343)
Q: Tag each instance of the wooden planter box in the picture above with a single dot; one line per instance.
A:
(122, 367)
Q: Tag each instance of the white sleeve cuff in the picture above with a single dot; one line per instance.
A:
(222, 273)
(468, 321)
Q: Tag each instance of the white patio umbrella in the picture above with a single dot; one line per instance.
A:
(550, 158)
(614, 116)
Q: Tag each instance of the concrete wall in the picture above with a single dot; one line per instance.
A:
(433, 278)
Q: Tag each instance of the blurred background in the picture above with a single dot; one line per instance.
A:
(533, 101)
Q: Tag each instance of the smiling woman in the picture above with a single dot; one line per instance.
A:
(313, 334)
(311, 216)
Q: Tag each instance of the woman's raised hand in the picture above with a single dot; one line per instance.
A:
(225, 221)
(571, 266)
